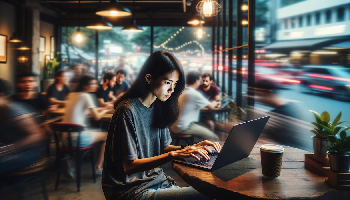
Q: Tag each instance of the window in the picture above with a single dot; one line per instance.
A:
(318, 18)
(328, 16)
(286, 22)
(340, 14)
(293, 23)
(308, 20)
(300, 20)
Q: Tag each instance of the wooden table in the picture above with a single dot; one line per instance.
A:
(243, 180)
(105, 117)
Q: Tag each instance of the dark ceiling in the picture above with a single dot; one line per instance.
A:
(163, 12)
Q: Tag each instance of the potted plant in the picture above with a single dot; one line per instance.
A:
(339, 158)
(324, 128)
(49, 71)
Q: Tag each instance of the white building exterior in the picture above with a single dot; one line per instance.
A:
(314, 19)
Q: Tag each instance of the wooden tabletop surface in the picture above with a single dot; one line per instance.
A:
(105, 117)
(243, 180)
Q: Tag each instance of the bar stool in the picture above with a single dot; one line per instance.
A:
(78, 152)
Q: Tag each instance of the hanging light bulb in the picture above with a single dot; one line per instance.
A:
(199, 33)
(22, 59)
(100, 25)
(196, 19)
(244, 22)
(244, 7)
(78, 36)
(208, 8)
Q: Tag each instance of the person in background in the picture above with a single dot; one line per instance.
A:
(77, 108)
(58, 91)
(27, 83)
(21, 139)
(77, 69)
(121, 86)
(127, 67)
(104, 93)
(138, 141)
(212, 93)
(190, 103)
(285, 114)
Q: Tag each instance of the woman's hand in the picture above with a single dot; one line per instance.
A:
(206, 143)
(190, 151)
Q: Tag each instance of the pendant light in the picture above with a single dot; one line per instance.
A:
(208, 8)
(114, 9)
(100, 24)
(78, 35)
(14, 38)
(23, 47)
(132, 26)
(196, 19)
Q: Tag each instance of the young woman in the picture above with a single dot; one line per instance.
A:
(58, 91)
(138, 140)
(79, 105)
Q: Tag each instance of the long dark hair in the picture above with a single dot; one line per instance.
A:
(84, 81)
(158, 64)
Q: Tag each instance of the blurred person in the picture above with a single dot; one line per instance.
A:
(21, 139)
(58, 91)
(123, 65)
(138, 141)
(79, 105)
(104, 93)
(208, 89)
(190, 103)
(212, 93)
(73, 82)
(27, 83)
(288, 118)
(121, 86)
(87, 70)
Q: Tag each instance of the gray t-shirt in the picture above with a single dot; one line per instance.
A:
(131, 136)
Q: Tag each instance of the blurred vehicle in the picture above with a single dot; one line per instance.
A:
(332, 79)
(267, 74)
(289, 70)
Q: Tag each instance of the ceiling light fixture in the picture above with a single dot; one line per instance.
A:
(78, 36)
(114, 9)
(132, 26)
(208, 8)
(196, 19)
(14, 38)
(100, 25)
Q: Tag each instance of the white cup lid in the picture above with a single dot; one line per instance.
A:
(273, 148)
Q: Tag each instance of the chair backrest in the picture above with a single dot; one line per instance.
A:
(69, 128)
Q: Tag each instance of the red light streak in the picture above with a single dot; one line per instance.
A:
(329, 77)
(321, 87)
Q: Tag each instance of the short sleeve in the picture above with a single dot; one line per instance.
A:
(126, 86)
(165, 139)
(99, 93)
(216, 91)
(51, 92)
(66, 90)
(200, 100)
(89, 101)
(128, 139)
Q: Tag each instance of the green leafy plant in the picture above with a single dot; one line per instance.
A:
(323, 125)
(51, 66)
(340, 142)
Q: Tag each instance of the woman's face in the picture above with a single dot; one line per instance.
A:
(164, 86)
(62, 79)
(92, 87)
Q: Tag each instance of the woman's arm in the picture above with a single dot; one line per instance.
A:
(53, 100)
(171, 148)
(97, 113)
(144, 164)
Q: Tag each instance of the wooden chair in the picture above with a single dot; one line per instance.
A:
(78, 152)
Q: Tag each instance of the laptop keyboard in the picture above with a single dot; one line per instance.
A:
(205, 162)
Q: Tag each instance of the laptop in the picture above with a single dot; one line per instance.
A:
(237, 146)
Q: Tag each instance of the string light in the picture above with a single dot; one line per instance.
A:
(169, 39)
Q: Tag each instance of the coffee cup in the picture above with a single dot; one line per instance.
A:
(271, 160)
